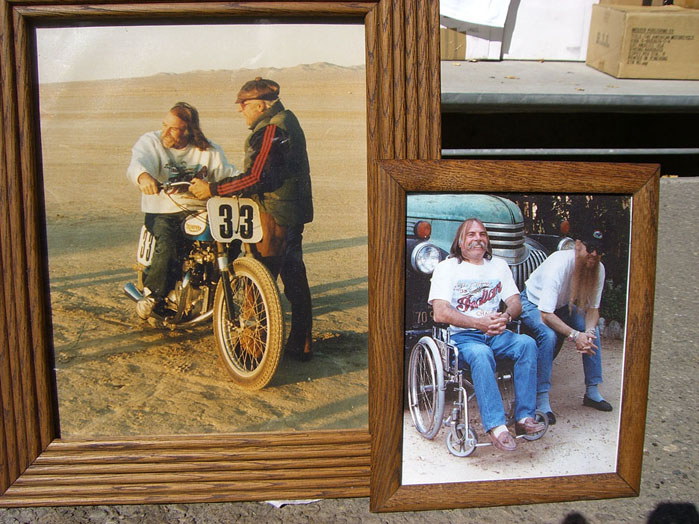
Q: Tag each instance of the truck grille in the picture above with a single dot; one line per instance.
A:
(521, 271)
(507, 241)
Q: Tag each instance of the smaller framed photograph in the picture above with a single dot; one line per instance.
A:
(513, 360)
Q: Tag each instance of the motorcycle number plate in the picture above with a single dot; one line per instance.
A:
(146, 246)
(233, 218)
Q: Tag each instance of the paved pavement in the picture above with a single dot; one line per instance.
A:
(670, 459)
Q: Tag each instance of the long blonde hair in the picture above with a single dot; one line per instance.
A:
(583, 283)
(190, 116)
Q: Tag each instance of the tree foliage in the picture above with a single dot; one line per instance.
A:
(564, 214)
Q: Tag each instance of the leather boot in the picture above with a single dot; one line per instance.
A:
(300, 347)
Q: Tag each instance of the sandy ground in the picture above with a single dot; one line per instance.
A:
(116, 375)
(583, 440)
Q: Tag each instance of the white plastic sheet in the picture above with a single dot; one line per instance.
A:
(483, 21)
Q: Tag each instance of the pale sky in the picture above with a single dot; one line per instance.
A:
(97, 53)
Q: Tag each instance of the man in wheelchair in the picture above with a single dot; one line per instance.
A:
(466, 292)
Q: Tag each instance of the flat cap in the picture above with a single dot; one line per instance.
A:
(258, 89)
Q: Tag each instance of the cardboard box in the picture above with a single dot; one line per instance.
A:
(452, 44)
(691, 4)
(644, 42)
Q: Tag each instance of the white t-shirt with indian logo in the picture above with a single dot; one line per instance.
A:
(474, 290)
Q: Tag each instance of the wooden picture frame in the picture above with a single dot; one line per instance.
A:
(37, 467)
(397, 178)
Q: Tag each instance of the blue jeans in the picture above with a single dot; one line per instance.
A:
(480, 351)
(546, 342)
(169, 243)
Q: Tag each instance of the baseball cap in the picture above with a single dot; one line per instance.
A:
(593, 237)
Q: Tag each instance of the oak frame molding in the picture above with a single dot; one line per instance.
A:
(40, 469)
(398, 177)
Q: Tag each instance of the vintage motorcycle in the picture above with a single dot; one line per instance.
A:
(240, 294)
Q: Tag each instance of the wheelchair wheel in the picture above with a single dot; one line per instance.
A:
(539, 416)
(461, 442)
(426, 387)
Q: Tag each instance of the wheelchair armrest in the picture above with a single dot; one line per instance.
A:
(440, 331)
(515, 326)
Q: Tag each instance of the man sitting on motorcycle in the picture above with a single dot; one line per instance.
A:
(277, 175)
(179, 151)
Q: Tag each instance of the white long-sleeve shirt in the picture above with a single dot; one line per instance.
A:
(150, 156)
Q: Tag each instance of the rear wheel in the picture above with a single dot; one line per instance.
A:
(426, 387)
(250, 345)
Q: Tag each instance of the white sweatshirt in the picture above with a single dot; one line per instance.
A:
(150, 156)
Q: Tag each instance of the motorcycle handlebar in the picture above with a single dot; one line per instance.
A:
(168, 185)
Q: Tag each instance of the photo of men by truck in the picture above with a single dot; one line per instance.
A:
(568, 256)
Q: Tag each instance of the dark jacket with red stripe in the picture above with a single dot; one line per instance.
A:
(276, 170)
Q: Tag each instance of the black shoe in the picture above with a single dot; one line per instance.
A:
(302, 356)
(602, 405)
(302, 351)
(551, 417)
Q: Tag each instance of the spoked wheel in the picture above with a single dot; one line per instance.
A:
(251, 344)
(426, 387)
(539, 416)
(461, 441)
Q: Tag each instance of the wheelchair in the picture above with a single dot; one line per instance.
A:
(434, 377)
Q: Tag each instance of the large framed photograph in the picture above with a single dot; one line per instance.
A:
(95, 247)
(210, 393)
(518, 292)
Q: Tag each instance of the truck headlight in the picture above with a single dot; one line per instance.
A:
(425, 258)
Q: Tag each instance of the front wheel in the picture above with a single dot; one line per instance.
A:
(250, 344)
(461, 442)
(539, 416)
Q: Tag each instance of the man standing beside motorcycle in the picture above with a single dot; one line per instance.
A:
(179, 151)
(277, 175)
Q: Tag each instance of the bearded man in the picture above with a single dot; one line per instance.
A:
(466, 292)
(178, 151)
(562, 297)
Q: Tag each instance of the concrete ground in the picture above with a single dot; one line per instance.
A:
(670, 459)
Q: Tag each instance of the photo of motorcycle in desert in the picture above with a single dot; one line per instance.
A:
(214, 356)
